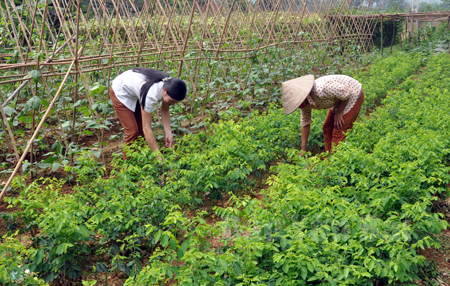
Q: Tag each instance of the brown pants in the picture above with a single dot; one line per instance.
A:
(334, 135)
(131, 121)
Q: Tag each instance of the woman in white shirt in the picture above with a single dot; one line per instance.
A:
(342, 94)
(134, 94)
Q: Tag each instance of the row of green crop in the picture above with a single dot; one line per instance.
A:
(359, 217)
(116, 219)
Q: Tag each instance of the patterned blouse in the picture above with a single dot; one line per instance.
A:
(327, 91)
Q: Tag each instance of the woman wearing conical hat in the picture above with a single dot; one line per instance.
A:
(342, 94)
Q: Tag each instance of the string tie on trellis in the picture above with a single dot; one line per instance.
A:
(166, 78)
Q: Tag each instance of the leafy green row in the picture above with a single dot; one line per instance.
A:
(357, 217)
(111, 217)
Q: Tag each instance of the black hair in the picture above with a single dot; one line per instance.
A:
(176, 88)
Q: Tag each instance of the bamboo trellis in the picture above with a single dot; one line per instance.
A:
(194, 39)
(184, 31)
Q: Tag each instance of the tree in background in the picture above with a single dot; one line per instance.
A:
(397, 6)
(431, 7)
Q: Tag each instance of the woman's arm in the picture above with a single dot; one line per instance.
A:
(165, 118)
(339, 114)
(148, 132)
(305, 136)
(341, 106)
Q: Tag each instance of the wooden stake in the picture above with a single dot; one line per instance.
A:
(393, 34)
(381, 31)
(448, 26)
(187, 37)
(75, 97)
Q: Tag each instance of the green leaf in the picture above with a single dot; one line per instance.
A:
(173, 244)
(89, 283)
(34, 102)
(121, 267)
(181, 253)
(304, 272)
(258, 252)
(82, 229)
(25, 166)
(165, 240)
(35, 75)
(184, 245)
(8, 110)
(223, 263)
(237, 268)
(169, 272)
(50, 159)
(25, 119)
(378, 269)
(313, 278)
(55, 166)
(97, 153)
(286, 267)
(346, 271)
(62, 248)
(157, 236)
(77, 103)
(283, 243)
(96, 88)
(39, 256)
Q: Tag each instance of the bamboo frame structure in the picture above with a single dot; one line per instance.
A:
(141, 32)
(84, 39)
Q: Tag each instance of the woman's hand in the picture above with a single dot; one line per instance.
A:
(169, 140)
(339, 120)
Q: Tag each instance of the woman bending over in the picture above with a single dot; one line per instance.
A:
(134, 95)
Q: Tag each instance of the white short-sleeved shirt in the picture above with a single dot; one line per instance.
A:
(127, 87)
(327, 91)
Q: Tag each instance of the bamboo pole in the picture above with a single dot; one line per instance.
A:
(186, 38)
(36, 85)
(418, 31)
(32, 26)
(41, 123)
(64, 25)
(15, 33)
(448, 26)
(381, 31)
(44, 82)
(111, 53)
(406, 30)
(393, 35)
(220, 44)
(75, 96)
(165, 32)
(145, 32)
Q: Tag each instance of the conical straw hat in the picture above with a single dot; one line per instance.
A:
(295, 91)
